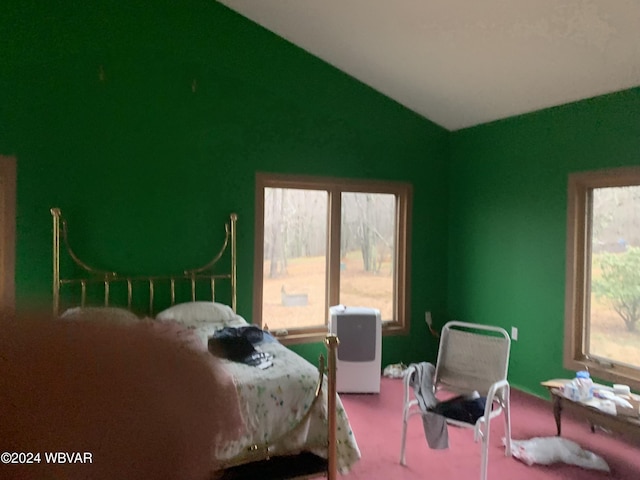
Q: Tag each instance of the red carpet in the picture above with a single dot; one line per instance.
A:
(377, 423)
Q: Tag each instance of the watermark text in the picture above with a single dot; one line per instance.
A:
(46, 457)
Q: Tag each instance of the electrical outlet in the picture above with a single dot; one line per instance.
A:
(514, 334)
(428, 319)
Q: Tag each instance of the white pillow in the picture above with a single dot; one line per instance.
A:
(237, 321)
(103, 314)
(197, 313)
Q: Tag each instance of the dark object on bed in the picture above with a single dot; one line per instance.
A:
(237, 344)
(304, 465)
(252, 333)
(233, 348)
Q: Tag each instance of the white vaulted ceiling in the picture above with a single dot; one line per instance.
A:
(461, 63)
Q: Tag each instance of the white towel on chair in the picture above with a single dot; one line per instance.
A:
(435, 426)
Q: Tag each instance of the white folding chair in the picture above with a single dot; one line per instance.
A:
(471, 357)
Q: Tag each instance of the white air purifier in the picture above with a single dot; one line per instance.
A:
(359, 363)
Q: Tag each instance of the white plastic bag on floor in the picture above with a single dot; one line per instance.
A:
(395, 370)
(548, 450)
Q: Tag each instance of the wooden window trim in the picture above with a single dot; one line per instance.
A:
(401, 286)
(580, 186)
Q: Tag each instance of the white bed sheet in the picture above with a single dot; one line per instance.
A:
(274, 400)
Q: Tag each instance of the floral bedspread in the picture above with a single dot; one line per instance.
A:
(273, 402)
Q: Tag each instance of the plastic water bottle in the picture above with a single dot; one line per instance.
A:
(571, 392)
(584, 385)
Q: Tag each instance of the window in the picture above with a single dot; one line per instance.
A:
(327, 241)
(602, 320)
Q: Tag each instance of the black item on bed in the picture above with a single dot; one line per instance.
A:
(233, 348)
(252, 333)
(237, 344)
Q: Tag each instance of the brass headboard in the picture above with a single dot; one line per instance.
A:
(95, 276)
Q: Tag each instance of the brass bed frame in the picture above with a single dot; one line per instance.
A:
(262, 464)
(107, 278)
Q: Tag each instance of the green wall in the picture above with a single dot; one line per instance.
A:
(507, 223)
(146, 170)
(140, 163)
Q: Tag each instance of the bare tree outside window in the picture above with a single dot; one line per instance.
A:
(367, 251)
(295, 233)
(324, 241)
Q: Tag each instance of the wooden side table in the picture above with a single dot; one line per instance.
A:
(628, 426)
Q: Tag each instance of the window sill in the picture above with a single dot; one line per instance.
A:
(394, 329)
(298, 338)
(612, 374)
(319, 336)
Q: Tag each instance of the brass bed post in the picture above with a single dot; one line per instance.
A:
(234, 219)
(129, 293)
(55, 213)
(332, 342)
(106, 292)
(151, 296)
(83, 297)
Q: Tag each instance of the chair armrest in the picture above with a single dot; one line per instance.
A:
(497, 390)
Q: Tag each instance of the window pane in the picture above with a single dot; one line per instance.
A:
(614, 310)
(367, 251)
(295, 252)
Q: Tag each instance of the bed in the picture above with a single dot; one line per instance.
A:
(294, 424)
